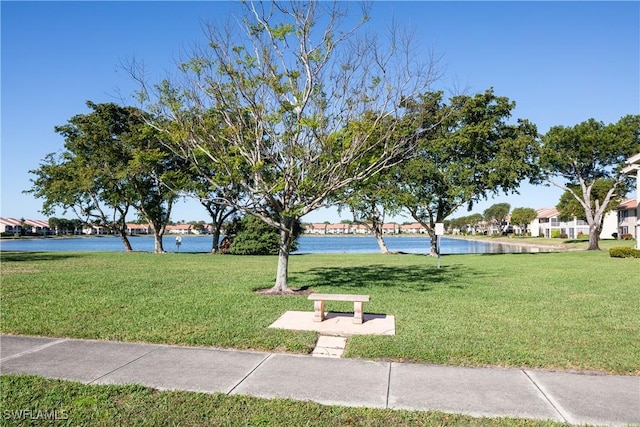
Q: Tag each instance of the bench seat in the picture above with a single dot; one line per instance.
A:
(319, 300)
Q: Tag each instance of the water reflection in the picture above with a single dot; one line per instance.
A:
(307, 244)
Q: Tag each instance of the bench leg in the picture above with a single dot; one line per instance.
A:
(357, 312)
(318, 311)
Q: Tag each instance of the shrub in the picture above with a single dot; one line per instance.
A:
(555, 234)
(624, 252)
(626, 236)
(254, 237)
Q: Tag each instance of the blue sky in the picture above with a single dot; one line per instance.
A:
(561, 62)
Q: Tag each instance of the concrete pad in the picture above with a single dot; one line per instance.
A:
(77, 360)
(592, 399)
(331, 342)
(12, 346)
(184, 368)
(323, 380)
(329, 346)
(477, 392)
(337, 323)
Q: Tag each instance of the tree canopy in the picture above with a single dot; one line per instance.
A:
(112, 162)
(590, 157)
(285, 105)
(471, 153)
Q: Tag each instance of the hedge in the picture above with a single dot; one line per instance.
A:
(624, 252)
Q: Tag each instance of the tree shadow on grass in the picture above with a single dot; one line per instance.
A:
(402, 279)
(35, 256)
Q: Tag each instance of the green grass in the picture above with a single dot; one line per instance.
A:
(27, 397)
(568, 310)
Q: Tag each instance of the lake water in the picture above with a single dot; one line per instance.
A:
(307, 244)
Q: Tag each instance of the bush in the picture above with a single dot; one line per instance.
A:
(555, 234)
(626, 236)
(254, 237)
(624, 252)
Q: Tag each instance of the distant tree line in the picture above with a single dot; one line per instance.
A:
(294, 110)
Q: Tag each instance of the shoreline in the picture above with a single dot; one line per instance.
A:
(510, 242)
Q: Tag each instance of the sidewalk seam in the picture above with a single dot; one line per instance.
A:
(126, 364)
(386, 403)
(248, 374)
(555, 406)
(33, 350)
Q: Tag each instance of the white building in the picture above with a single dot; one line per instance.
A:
(633, 168)
(547, 224)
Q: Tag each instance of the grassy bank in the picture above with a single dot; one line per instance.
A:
(24, 398)
(569, 310)
(546, 242)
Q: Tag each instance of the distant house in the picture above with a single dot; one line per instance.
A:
(548, 222)
(316, 228)
(10, 225)
(633, 168)
(415, 228)
(38, 226)
(136, 229)
(178, 229)
(95, 229)
(338, 228)
(360, 229)
(33, 226)
(390, 228)
(627, 218)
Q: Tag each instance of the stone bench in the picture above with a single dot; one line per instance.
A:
(319, 299)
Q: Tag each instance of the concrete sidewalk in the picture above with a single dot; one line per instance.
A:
(572, 397)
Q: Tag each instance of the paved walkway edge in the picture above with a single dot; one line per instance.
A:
(577, 398)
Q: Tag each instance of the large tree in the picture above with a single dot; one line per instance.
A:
(86, 176)
(471, 153)
(590, 157)
(112, 162)
(288, 91)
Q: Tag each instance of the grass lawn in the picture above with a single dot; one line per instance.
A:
(567, 310)
(24, 398)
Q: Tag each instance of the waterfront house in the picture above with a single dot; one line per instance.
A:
(10, 225)
(633, 168)
(415, 228)
(338, 228)
(548, 224)
(316, 228)
(136, 229)
(627, 218)
(178, 229)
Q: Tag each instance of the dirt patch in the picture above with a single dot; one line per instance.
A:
(288, 292)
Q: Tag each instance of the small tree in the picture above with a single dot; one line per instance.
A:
(497, 215)
(522, 217)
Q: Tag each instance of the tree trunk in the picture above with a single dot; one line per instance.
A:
(122, 232)
(215, 248)
(434, 242)
(381, 244)
(282, 274)
(594, 237)
(157, 242)
(126, 242)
